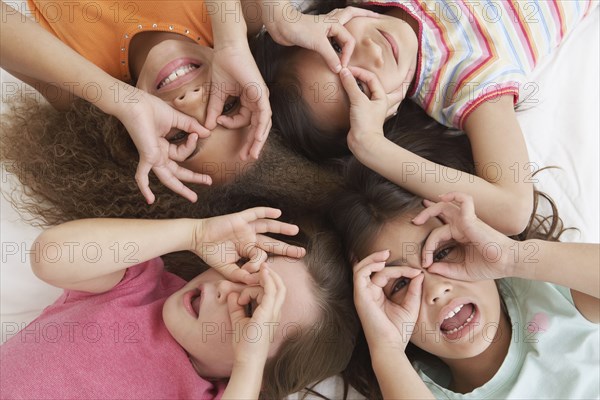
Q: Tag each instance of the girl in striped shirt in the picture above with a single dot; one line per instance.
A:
(465, 63)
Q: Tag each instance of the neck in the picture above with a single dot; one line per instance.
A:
(487, 364)
(142, 43)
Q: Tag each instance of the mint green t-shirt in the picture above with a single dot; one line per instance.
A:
(553, 354)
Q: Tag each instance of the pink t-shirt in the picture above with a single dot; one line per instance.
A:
(112, 345)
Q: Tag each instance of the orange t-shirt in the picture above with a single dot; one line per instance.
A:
(101, 30)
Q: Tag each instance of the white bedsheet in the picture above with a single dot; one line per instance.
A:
(562, 129)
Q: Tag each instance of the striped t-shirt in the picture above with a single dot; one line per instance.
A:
(474, 50)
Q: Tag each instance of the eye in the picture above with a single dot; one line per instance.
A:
(177, 137)
(230, 105)
(399, 284)
(439, 255)
(336, 46)
(361, 86)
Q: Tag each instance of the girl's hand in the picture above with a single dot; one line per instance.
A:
(226, 241)
(369, 106)
(289, 27)
(269, 297)
(234, 73)
(384, 322)
(485, 253)
(149, 120)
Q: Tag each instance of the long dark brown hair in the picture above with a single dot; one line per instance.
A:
(81, 164)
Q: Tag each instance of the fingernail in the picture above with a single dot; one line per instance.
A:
(338, 68)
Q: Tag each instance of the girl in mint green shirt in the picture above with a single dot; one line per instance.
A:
(502, 318)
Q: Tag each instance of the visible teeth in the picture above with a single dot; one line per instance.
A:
(463, 325)
(454, 312)
(178, 73)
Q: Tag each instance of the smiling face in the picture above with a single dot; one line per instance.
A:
(457, 319)
(197, 316)
(386, 46)
(179, 72)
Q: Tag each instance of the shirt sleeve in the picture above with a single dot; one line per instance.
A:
(148, 272)
(466, 93)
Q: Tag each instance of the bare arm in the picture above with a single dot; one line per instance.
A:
(396, 376)
(502, 196)
(93, 254)
(228, 21)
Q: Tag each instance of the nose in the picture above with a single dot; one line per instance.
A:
(368, 54)
(193, 102)
(435, 288)
(225, 287)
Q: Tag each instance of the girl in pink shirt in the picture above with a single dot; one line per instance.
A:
(262, 318)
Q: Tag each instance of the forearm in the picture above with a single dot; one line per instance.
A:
(573, 265)
(228, 22)
(30, 50)
(245, 381)
(280, 17)
(396, 376)
(83, 250)
(494, 201)
(253, 16)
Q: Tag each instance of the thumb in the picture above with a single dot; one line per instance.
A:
(350, 85)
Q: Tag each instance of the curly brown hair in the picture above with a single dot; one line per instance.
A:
(81, 164)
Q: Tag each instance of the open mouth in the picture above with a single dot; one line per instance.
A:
(191, 302)
(178, 73)
(457, 320)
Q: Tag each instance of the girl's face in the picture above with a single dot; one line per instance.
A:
(457, 319)
(198, 318)
(179, 72)
(386, 46)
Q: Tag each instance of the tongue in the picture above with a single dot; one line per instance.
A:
(459, 319)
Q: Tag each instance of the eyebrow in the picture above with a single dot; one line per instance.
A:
(402, 259)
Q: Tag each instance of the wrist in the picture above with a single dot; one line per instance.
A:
(272, 12)
(365, 146)
(228, 22)
(196, 228)
(525, 261)
(382, 357)
(117, 97)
